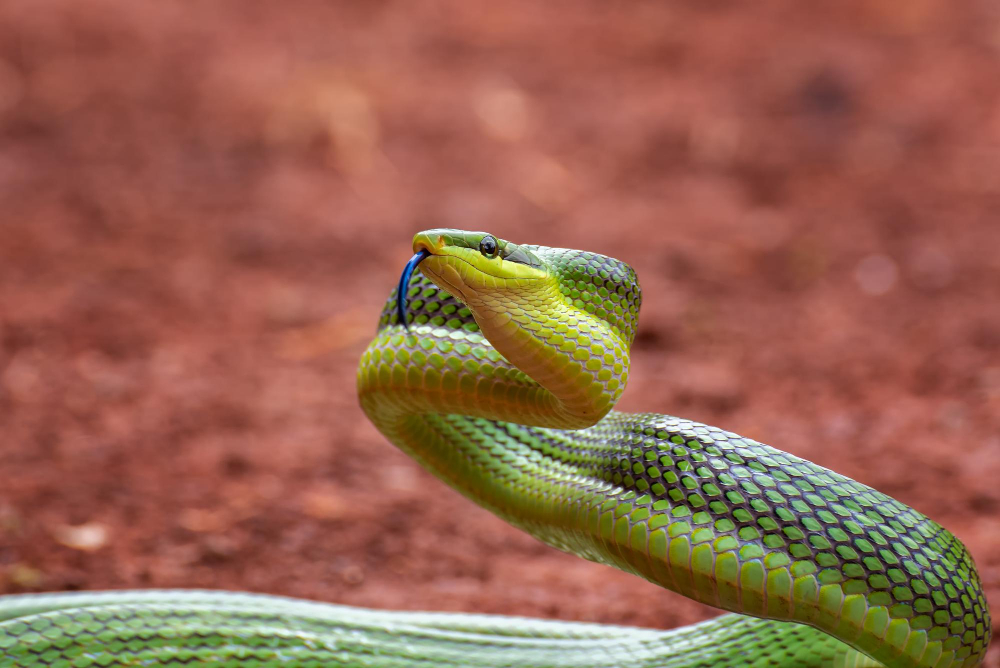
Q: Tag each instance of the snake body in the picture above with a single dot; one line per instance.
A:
(499, 376)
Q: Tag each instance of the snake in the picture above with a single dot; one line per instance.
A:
(497, 367)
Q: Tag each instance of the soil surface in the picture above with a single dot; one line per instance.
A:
(204, 205)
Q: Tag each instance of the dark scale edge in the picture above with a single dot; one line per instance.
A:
(592, 281)
(900, 558)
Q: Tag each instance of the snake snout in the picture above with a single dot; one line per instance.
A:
(431, 241)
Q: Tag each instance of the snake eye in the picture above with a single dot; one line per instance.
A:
(488, 246)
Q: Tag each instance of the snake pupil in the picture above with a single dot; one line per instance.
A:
(488, 246)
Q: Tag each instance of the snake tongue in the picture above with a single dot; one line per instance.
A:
(404, 284)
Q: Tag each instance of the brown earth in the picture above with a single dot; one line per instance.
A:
(203, 205)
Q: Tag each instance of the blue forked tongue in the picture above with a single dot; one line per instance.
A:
(404, 284)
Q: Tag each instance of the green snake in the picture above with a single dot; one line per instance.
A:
(497, 367)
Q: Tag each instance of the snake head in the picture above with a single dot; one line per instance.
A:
(475, 267)
(562, 317)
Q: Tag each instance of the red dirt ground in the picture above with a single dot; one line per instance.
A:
(203, 205)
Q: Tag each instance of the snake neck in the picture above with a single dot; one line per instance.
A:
(581, 361)
(530, 356)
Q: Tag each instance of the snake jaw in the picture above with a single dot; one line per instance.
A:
(404, 284)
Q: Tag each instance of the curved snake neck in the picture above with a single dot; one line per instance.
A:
(505, 391)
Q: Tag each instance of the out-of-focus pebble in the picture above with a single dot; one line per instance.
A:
(87, 537)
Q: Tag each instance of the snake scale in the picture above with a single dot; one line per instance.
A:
(497, 367)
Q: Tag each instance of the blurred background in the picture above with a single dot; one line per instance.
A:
(204, 205)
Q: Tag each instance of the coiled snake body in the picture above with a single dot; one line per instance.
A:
(500, 380)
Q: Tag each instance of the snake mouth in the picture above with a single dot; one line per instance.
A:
(404, 285)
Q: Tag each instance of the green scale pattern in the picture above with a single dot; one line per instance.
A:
(174, 629)
(714, 516)
(823, 570)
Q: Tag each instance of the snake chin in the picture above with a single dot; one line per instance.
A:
(447, 277)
